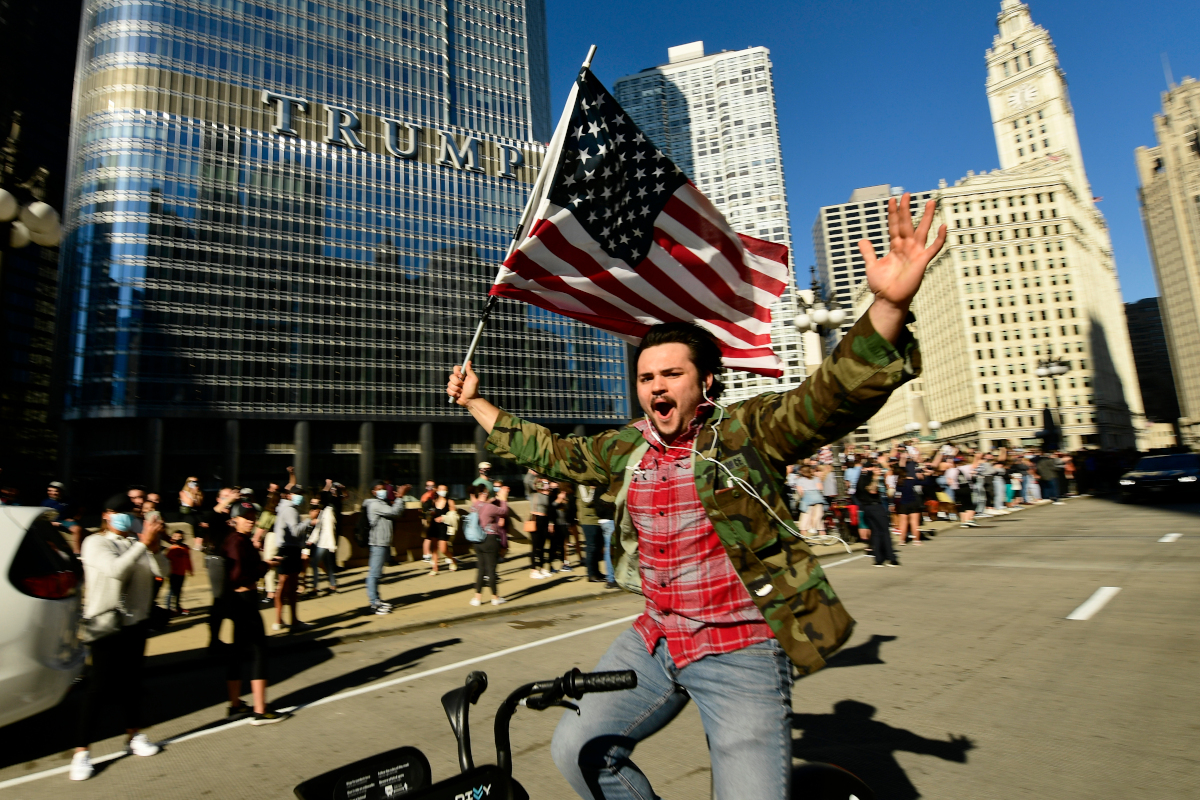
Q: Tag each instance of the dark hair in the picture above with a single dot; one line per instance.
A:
(705, 352)
(120, 503)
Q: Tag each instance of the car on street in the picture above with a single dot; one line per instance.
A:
(1166, 477)
(40, 594)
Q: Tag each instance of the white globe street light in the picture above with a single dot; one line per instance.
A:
(934, 425)
(8, 205)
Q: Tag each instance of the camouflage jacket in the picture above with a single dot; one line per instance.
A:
(755, 439)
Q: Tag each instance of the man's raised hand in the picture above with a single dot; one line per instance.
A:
(895, 278)
(463, 386)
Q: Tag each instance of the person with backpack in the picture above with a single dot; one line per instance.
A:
(486, 528)
(376, 518)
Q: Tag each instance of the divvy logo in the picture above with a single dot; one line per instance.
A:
(478, 793)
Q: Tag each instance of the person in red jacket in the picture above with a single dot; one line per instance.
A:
(180, 558)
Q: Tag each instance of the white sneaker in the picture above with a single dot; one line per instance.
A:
(139, 745)
(275, 626)
(385, 606)
(1059, 503)
(380, 611)
(547, 573)
(426, 558)
(454, 566)
(536, 575)
(475, 601)
(81, 766)
(498, 600)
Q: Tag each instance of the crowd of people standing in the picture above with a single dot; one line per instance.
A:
(888, 495)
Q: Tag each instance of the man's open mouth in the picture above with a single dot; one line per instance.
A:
(663, 408)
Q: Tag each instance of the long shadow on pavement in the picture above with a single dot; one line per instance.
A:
(853, 739)
(188, 689)
(860, 655)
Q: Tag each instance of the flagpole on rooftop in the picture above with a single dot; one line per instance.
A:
(549, 164)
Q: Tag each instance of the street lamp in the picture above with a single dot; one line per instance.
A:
(1051, 368)
(35, 221)
(817, 316)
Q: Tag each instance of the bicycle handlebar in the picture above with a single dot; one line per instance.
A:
(574, 684)
(577, 684)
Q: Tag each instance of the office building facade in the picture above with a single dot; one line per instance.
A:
(1152, 358)
(839, 228)
(714, 115)
(283, 218)
(1027, 277)
(1169, 192)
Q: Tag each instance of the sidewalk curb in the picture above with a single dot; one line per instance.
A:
(187, 659)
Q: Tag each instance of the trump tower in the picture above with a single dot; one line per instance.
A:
(282, 220)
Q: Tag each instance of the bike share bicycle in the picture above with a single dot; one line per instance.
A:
(405, 772)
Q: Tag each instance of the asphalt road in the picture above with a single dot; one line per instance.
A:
(964, 679)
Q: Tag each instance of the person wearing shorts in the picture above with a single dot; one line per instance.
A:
(436, 508)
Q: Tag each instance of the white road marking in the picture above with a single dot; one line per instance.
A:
(844, 561)
(373, 687)
(1094, 603)
(1171, 537)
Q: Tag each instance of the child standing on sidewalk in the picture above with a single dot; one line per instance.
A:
(180, 559)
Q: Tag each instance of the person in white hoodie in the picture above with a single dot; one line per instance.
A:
(119, 571)
(323, 541)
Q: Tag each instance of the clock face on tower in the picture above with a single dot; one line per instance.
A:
(1022, 96)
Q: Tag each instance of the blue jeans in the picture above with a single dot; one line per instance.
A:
(322, 559)
(745, 703)
(375, 571)
(607, 526)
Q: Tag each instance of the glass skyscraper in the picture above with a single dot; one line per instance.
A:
(714, 115)
(283, 217)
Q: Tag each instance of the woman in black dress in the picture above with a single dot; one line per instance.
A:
(436, 508)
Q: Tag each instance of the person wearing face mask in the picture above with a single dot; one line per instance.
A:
(119, 571)
(379, 519)
(437, 509)
(290, 533)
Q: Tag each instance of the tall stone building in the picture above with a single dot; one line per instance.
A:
(714, 115)
(1027, 277)
(1169, 191)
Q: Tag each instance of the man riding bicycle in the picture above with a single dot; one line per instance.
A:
(734, 598)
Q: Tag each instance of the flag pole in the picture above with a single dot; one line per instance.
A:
(548, 166)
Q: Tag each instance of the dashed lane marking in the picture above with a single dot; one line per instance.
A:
(1171, 537)
(1093, 604)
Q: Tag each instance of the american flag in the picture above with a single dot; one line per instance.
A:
(622, 240)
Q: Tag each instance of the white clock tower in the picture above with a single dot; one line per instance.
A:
(1027, 92)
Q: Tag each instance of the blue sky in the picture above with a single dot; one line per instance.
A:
(888, 92)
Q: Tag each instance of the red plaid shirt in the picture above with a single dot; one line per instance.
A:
(694, 597)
